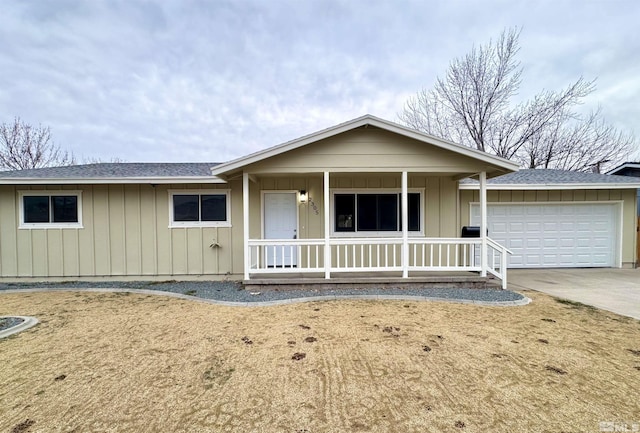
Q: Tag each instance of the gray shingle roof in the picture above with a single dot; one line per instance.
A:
(116, 170)
(555, 177)
(203, 169)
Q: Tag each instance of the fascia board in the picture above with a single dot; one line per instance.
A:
(624, 166)
(557, 186)
(110, 180)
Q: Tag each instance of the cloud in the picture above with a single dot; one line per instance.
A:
(210, 81)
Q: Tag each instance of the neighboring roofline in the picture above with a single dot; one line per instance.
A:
(552, 186)
(623, 166)
(109, 180)
(356, 123)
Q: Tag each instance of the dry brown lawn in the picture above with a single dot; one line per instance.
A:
(107, 362)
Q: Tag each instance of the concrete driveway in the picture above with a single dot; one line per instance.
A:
(616, 290)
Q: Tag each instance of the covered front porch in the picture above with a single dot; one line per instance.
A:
(404, 254)
(366, 197)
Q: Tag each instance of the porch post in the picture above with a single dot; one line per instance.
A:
(327, 227)
(245, 223)
(405, 227)
(483, 224)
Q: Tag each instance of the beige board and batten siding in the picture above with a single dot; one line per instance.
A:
(367, 149)
(364, 158)
(439, 205)
(126, 227)
(125, 233)
(627, 196)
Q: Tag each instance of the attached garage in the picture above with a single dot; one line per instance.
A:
(544, 235)
(556, 218)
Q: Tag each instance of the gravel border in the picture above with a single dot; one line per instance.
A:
(17, 324)
(7, 322)
(233, 293)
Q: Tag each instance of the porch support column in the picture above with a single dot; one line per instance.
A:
(483, 224)
(327, 226)
(245, 223)
(405, 226)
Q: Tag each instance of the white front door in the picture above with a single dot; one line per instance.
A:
(280, 222)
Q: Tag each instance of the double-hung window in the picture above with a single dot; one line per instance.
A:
(199, 208)
(50, 209)
(371, 213)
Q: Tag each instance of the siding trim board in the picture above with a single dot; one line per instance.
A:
(548, 187)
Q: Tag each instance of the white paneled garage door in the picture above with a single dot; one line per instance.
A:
(554, 235)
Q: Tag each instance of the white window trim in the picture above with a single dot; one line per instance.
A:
(49, 225)
(182, 224)
(372, 234)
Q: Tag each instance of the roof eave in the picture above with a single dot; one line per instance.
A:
(111, 180)
(623, 166)
(553, 186)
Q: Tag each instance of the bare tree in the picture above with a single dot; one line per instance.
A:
(97, 160)
(23, 146)
(472, 105)
(585, 143)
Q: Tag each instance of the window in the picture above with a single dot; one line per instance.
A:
(345, 205)
(50, 209)
(377, 212)
(199, 208)
(374, 212)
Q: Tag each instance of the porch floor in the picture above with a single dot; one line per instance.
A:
(354, 280)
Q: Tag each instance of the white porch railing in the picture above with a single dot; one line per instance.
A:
(497, 260)
(276, 256)
(282, 256)
(366, 254)
(444, 254)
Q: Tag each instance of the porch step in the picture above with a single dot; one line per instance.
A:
(440, 282)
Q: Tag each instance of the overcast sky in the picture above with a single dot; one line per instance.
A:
(213, 80)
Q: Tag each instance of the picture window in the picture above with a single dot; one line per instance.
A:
(375, 212)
